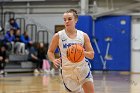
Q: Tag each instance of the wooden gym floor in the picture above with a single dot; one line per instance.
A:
(109, 82)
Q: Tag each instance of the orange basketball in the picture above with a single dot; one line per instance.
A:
(75, 53)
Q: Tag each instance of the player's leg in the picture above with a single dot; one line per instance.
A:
(88, 87)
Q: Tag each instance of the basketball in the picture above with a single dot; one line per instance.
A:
(75, 53)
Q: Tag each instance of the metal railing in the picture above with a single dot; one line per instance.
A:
(21, 23)
(32, 31)
(42, 36)
(7, 16)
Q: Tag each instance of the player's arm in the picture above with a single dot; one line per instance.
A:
(89, 52)
(52, 47)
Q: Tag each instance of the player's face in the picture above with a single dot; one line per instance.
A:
(69, 20)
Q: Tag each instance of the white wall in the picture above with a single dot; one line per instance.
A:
(135, 63)
(43, 21)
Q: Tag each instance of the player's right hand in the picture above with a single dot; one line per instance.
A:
(57, 62)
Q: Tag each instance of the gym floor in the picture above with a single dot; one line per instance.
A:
(105, 82)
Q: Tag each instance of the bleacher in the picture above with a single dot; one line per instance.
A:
(20, 63)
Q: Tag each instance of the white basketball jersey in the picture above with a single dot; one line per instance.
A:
(65, 42)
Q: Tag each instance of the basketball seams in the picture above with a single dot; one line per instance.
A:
(80, 56)
(69, 50)
(68, 54)
(75, 53)
(72, 52)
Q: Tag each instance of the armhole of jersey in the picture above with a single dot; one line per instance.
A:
(59, 34)
(81, 32)
(83, 38)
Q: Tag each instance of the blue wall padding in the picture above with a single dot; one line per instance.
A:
(119, 28)
(116, 27)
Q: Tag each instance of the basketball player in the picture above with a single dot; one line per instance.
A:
(76, 76)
